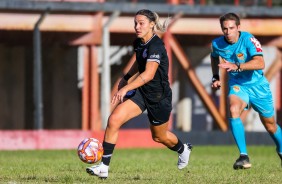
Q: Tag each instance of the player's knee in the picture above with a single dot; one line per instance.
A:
(114, 121)
(158, 139)
(234, 111)
(271, 128)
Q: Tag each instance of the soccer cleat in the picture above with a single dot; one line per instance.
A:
(280, 156)
(183, 158)
(100, 170)
(243, 162)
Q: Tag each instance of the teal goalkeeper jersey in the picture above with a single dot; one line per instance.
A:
(240, 52)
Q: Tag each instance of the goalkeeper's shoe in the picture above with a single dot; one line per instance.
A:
(183, 158)
(243, 162)
(100, 170)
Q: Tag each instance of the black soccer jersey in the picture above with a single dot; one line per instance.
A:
(153, 51)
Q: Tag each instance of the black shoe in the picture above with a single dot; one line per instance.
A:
(280, 155)
(243, 162)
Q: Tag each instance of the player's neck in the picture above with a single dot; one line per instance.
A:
(237, 37)
(147, 38)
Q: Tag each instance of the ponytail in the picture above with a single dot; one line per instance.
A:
(161, 26)
(154, 17)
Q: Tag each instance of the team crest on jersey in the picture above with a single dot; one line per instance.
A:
(240, 56)
(256, 44)
(236, 88)
(144, 53)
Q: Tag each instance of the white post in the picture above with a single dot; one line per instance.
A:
(106, 72)
(184, 114)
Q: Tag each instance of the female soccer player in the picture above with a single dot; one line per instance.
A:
(149, 78)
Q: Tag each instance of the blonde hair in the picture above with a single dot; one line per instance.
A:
(154, 17)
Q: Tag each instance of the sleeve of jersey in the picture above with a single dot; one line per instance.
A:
(254, 46)
(154, 53)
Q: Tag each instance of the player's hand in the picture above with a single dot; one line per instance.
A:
(216, 85)
(118, 97)
(228, 66)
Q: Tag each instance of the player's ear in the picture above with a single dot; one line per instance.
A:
(152, 24)
(239, 27)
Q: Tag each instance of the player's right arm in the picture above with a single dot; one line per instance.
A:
(215, 68)
(215, 71)
(129, 76)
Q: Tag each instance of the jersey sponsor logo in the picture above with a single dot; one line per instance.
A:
(236, 88)
(256, 44)
(154, 56)
(144, 53)
(240, 56)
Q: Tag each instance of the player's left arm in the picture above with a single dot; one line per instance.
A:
(155, 52)
(254, 48)
(256, 63)
(142, 79)
(147, 75)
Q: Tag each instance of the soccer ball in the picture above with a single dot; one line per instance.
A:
(90, 150)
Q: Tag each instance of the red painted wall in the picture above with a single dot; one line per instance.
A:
(69, 139)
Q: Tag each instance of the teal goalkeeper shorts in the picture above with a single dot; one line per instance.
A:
(258, 96)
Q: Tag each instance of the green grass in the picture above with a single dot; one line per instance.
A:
(208, 164)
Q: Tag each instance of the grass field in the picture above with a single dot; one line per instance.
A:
(208, 164)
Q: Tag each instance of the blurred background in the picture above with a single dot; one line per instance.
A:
(61, 61)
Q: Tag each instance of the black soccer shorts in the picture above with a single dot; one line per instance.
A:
(158, 112)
